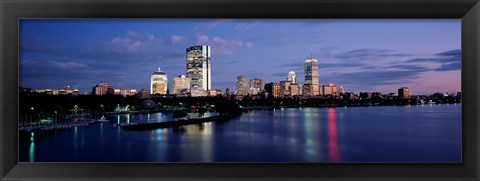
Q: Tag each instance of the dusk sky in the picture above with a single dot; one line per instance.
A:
(359, 55)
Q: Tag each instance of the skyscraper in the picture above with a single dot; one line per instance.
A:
(179, 83)
(256, 86)
(242, 85)
(198, 67)
(311, 77)
(404, 93)
(158, 82)
(292, 77)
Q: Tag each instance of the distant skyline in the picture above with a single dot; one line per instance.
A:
(359, 55)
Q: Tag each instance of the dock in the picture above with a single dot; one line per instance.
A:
(176, 123)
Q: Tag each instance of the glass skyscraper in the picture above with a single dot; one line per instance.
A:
(311, 77)
(198, 67)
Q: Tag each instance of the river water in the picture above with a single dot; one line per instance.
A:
(422, 133)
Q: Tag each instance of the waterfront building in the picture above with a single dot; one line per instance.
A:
(75, 92)
(331, 89)
(158, 82)
(404, 93)
(377, 95)
(102, 88)
(285, 87)
(350, 95)
(256, 86)
(273, 89)
(292, 77)
(294, 89)
(242, 85)
(179, 83)
(198, 67)
(212, 93)
(195, 92)
(125, 92)
(311, 77)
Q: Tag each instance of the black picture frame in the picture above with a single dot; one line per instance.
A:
(467, 10)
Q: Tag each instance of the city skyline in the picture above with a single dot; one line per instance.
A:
(81, 53)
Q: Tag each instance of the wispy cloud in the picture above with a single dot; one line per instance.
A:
(222, 46)
(448, 60)
(368, 54)
(131, 43)
(243, 27)
(450, 66)
(214, 24)
(175, 39)
(67, 65)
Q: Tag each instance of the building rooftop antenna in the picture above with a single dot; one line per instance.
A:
(311, 54)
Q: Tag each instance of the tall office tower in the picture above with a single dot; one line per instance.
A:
(198, 67)
(311, 77)
(292, 77)
(404, 93)
(273, 89)
(179, 83)
(158, 82)
(256, 86)
(242, 86)
(102, 88)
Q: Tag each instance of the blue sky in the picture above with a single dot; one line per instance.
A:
(360, 55)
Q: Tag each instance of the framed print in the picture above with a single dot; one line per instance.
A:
(317, 90)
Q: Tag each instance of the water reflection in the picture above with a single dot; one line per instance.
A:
(310, 127)
(332, 135)
(31, 153)
(291, 135)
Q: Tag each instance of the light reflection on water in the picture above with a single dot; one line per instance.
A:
(358, 134)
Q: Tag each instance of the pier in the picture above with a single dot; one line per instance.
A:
(176, 123)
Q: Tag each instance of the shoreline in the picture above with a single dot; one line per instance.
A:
(333, 106)
(177, 123)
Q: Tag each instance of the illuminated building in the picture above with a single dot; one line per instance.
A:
(294, 89)
(75, 92)
(198, 67)
(331, 89)
(194, 92)
(242, 85)
(102, 88)
(285, 87)
(256, 86)
(311, 77)
(273, 89)
(212, 93)
(158, 82)
(292, 77)
(179, 83)
(404, 93)
(125, 92)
